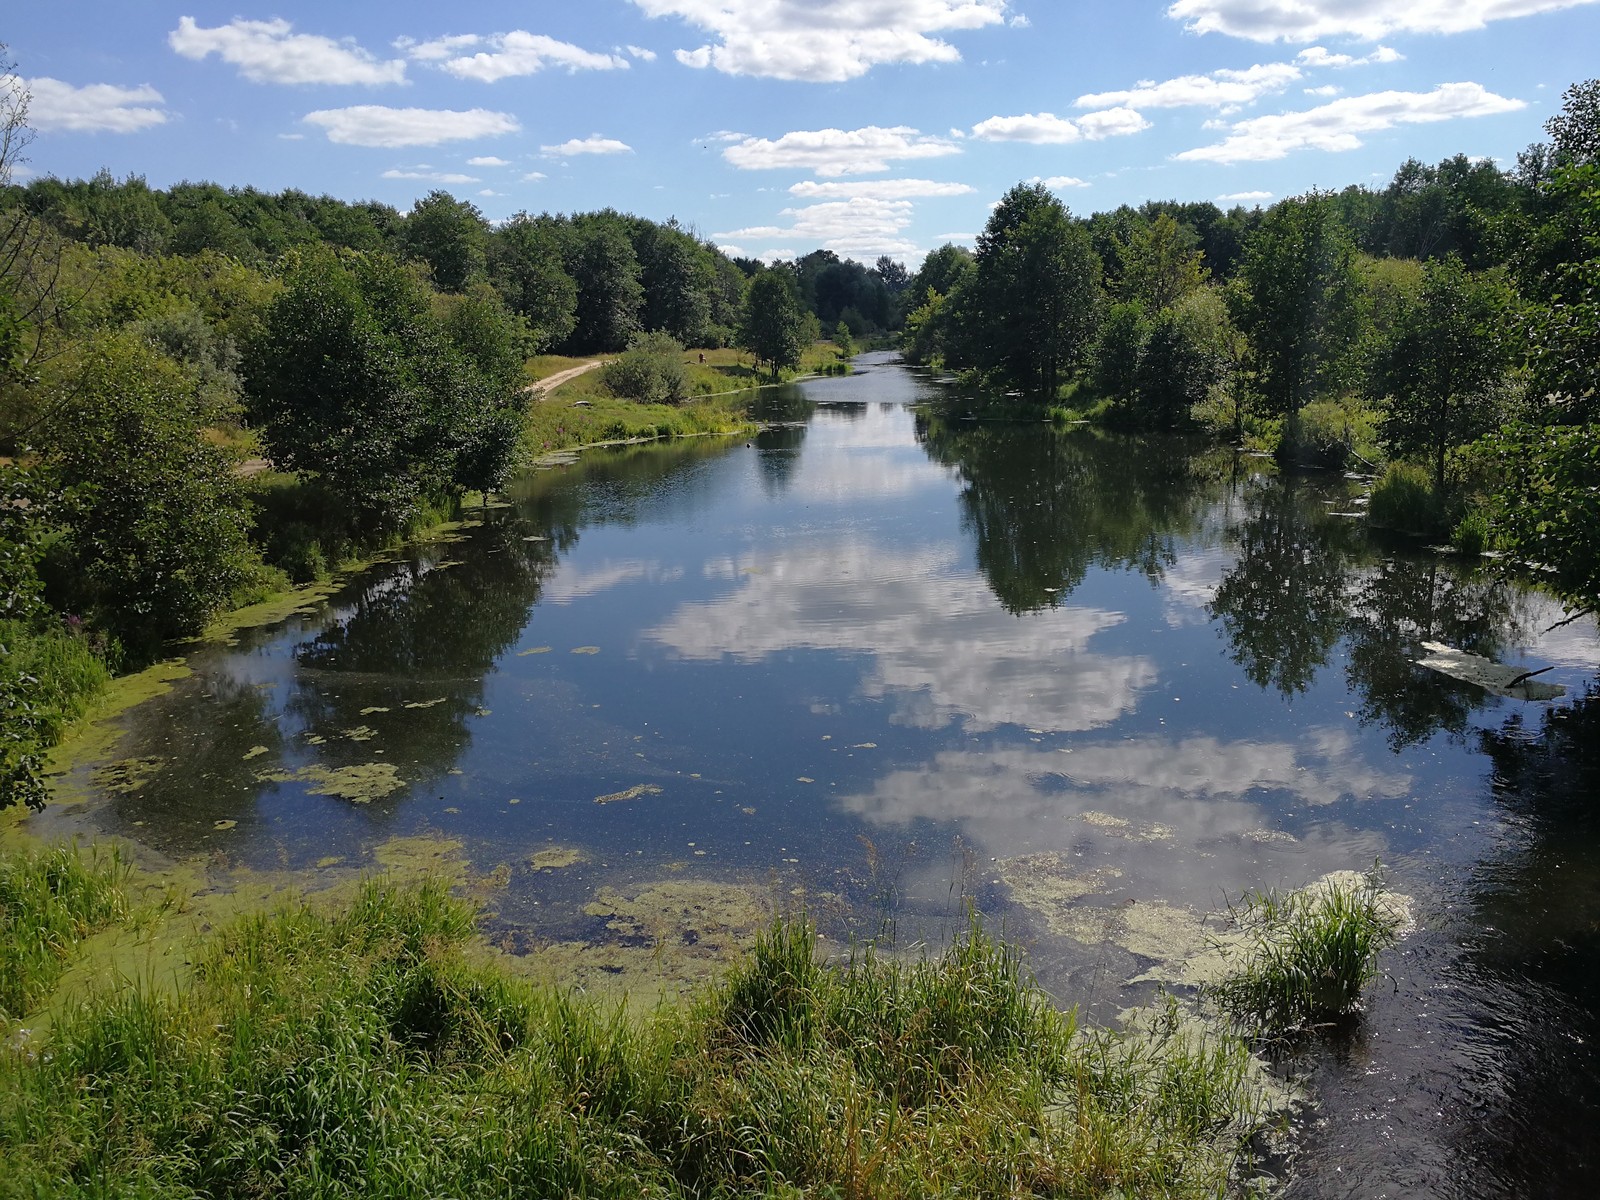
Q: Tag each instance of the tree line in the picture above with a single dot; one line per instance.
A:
(1444, 329)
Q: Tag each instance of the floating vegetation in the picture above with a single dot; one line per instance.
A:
(361, 733)
(360, 784)
(254, 752)
(865, 746)
(375, 708)
(1046, 881)
(223, 824)
(1115, 826)
(633, 793)
(586, 650)
(425, 703)
(127, 775)
(556, 858)
(1299, 959)
(533, 650)
(804, 779)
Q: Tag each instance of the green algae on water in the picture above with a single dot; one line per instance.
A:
(633, 793)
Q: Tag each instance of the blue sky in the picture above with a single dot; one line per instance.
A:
(777, 126)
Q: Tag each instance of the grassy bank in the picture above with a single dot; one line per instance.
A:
(365, 1051)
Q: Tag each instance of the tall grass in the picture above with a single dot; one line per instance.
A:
(361, 1053)
(1304, 958)
(49, 901)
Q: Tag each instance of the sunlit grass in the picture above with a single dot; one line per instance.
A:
(1304, 958)
(362, 1053)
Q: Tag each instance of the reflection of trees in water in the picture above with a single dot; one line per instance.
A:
(778, 452)
(200, 734)
(419, 633)
(1282, 604)
(1396, 607)
(1045, 505)
(1531, 961)
(620, 485)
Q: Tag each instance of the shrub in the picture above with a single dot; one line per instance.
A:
(650, 371)
(1304, 957)
(1333, 434)
(1404, 501)
(1471, 535)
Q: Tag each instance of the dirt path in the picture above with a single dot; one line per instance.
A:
(551, 382)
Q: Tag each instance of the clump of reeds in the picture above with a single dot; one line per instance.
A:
(363, 1053)
(1303, 958)
(49, 901)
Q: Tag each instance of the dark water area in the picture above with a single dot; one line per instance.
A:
(883, 659)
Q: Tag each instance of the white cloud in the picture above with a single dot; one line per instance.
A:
(490, 192)
(1327, 89)
(535, 177)
(94, 108)
(508, 55)
(856, 226)
(1215, 90)
(1245, 198)
(1308, 20)
(878, 189)
(593, 144)
(1320, 56)
(1057, 182)
(271, 52)
(292, 137)
(431, 176)
(641, 53)
(378, 125)
(487, 160)
(1047, 129)
(1340, 124)
(832, 152)
(823, 41)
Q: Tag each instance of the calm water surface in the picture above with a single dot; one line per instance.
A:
(878, 661)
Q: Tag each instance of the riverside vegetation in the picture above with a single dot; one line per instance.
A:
(366, 1048)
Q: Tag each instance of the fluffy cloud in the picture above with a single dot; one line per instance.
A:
(1320, 56)
(1244, 198)
(1216, 90)
(1340, 124)
(823, 41)
(431, 176)
(378, 125)
(1308, 20)
(95, 108)
(271, 52)
(641, 53)
(1047, 129)
(1057, 183)
(832, 152)
(855, 225)
(593, 144)
(878, 189)
(507, 55)
(487, 160)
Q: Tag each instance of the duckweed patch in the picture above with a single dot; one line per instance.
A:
(360, 783)
(633, 793)
(556, 858)
(127, 775)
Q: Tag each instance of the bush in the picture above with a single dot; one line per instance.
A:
(155, 519)
(1332, 434)
(650, 371)
(1471, 535)
(1404, 501)
(1305, 957)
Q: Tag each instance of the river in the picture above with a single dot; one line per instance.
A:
(883, 660)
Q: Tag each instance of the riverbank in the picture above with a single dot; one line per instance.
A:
(329, 1047)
